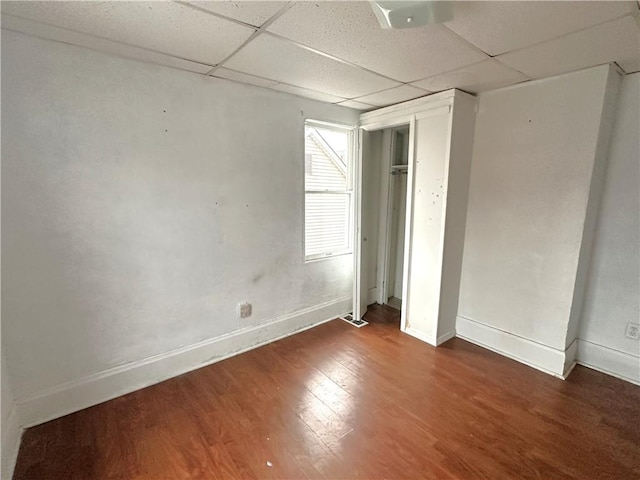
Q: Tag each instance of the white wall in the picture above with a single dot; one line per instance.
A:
(536, 148)
(428, 214)
(613, 292)
(371, 173)
(10, 429)
(10, 426)
(398, 219)
(140, 204)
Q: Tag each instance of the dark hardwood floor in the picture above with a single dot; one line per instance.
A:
(341, 402)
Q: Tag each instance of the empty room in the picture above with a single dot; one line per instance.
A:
(320, 240)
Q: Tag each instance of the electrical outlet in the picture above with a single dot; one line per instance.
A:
(244, 310)
(633, 331)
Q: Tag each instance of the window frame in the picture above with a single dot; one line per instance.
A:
(349, 192)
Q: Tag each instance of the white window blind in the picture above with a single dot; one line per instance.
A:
(328, 191)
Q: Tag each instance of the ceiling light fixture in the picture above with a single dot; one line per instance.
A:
(410, 14)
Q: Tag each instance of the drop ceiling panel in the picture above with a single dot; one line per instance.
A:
(613, 41)
(242, 77)
(165, 27)
(480, 77)
(41, 30)
(281, 60)
(499, 27)
(356, 105)
(350, 31)
(251, 12)
(393, 95)
(304, 92)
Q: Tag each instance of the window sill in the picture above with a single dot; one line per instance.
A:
(319, 258)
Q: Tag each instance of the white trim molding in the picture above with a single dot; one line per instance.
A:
(421, 336)
(570, 358)
(445, 337)
(100, 387)
(11, 438)
(558, 363)
(607, 360)
(433, 341)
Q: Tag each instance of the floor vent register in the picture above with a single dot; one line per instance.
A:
(356, 322)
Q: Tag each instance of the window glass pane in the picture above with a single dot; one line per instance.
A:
(328, 190)
(326, 223)
(326, 159)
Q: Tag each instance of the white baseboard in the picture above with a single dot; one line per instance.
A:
(429, 339)
(94, 389)
(570, 358)
(541, 357)
(11, 437)
(445, 337)
(421, 336)
(607, 360)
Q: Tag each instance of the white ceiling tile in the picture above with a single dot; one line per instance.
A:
(613, 41)
(242, 77)
(499, 27)
(357, 105)
(251, 12)
(350, 31)
(480, 77)
(165, 27)
(305, 92)
(42, 30)
(393, 95)
(281, 60)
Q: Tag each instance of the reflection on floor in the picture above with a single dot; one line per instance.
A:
(341, 402)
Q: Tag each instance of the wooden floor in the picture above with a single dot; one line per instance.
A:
(342, 402)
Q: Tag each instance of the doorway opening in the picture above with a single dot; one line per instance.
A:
(384, 187)
(394, 222)
(433, 137)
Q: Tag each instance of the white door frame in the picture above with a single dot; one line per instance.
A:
(360, 291)
(409, 113)
(359, 283)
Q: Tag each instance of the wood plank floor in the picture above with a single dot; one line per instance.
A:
(341, 402)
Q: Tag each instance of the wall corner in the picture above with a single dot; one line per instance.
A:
(612, 80)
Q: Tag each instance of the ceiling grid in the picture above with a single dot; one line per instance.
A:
(337, 52)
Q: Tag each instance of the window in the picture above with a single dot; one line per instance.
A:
(328, 190)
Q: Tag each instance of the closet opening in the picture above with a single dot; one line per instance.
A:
(383, 221)
(393, 223)
(412, 179)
